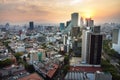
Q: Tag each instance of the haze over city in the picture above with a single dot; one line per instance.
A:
(55, 11)
(59, 40)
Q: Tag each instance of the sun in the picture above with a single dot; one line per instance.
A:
(88, 15)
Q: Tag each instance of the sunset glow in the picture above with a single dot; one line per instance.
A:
(56, 11)
(88, 15)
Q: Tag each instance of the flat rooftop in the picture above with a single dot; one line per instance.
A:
(33, 76)
(75, 60)
(85, 68)
(51, 72)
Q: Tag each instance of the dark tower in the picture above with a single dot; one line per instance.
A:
(31, 25)
(95, 49)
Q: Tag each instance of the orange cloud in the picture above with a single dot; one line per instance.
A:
(57, 10)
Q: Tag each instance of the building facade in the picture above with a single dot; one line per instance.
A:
(91, 47)
(116, 40)
(62, 26)
(95, 49)
(31, 25)
(85, 45)
(74, 19)
(89, 22)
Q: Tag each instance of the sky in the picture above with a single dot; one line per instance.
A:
(56, 11)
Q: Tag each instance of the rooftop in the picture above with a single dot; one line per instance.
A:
(51, 72)
(77, 75)
(33, 76)
(85, 68)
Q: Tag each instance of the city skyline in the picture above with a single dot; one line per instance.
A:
(56, 11)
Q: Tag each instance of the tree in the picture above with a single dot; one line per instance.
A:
(51, 43)
(17, 55)
(66, 68)
(107, 67)
(44, 46)
(24, 59)
(5, 63)
(29, 68)
(119, 62)
(61, 52)
(28, 55)
(66, 59)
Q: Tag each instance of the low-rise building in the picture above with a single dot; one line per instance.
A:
(33, 76)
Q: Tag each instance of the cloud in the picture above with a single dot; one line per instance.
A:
(11, 1)
(56, 10)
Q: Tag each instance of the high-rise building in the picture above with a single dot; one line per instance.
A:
(31, 25)
(62, 26)
(74, 19)
(96, 29)
(67, 23)
(7, 26)
(85, 44)
(89, 22)
(76, 47)
(75, 31)
(116, 40)
(95, 48)
(64, 39)
(91, 47)
(81, 22)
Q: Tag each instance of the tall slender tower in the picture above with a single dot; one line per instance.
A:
(31, 25)
(95, 48)
(74, 19)
(85, 44)
(62, 26)
(81, 22)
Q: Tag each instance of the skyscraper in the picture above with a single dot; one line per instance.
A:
(89, 22)
(62, 26)
(91, 47)
(81, 22)
(96, 29)
(75, 31)
(95, 48)
(74, 19)
(67, 23)
(116, 40)
(85, 44)
(31, 25)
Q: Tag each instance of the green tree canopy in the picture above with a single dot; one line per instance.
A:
(5, 63)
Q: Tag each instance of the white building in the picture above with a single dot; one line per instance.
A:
(33, 56)
(85, 46)
(64, 37)
(116, 40)
(20, 47)
(22, 36)
(51, 39)
(17, 46)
